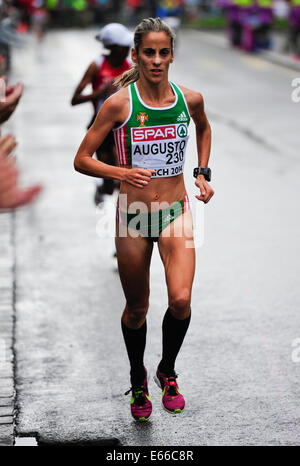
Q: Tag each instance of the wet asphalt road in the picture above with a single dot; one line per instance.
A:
(237, 369)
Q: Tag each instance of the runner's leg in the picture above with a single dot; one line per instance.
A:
(134, 256)
(179, 264)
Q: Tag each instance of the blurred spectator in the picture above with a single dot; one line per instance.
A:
(152, 5)
(25, 9)
(100, 8)
(12, 97)
(249, 23)
(171, 12)
(191, 8)
(265, 20)
(39, 18)
(134, 7)
(11, 195)
(231, 9)
(166, 8)
(294, 28)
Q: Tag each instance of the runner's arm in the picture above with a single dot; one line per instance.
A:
(103, 124)
(203, 137)
(203, 129)
(78, 97)
(111, 113)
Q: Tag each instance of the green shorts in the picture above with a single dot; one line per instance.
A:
(151, 224)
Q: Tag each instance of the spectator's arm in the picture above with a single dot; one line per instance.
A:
(12, 97)
(11, 195)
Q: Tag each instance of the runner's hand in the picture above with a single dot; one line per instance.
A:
(138, 177)
(206, 191)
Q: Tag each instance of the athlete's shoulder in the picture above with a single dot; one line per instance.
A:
(193, 98)
(119, 98)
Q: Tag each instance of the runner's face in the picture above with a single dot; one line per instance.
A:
(154, 56)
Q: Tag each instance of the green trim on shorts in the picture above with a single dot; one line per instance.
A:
(151, 224)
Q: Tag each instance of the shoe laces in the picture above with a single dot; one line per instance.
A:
(138, 394)
(172, 385)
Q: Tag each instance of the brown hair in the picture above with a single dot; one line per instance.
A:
(145, 26)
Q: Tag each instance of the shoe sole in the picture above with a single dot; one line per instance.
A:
(142, 419)
(176, 411)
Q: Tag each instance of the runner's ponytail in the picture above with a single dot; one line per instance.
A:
(145, 26)
(130, 76)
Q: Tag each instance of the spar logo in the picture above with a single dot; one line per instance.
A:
(142, 117)
(154, 133)
(182, 131)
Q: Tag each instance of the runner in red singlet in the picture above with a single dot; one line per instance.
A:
(100, 75)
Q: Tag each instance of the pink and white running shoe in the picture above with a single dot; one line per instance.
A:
(172, 399)
(140, 405)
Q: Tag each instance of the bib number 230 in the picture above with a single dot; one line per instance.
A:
(174, 158)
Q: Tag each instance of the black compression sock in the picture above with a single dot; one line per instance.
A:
(135, 341)
(174, 331)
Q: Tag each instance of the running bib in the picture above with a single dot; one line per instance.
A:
(161, 148)
(154, 138)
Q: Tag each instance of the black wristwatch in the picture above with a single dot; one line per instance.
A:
(203, 171)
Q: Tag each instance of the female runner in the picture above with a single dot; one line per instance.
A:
(150, 117)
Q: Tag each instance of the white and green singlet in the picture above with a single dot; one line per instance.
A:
(154, 137)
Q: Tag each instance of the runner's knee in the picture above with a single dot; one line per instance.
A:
(180, 304)
(136, 313)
